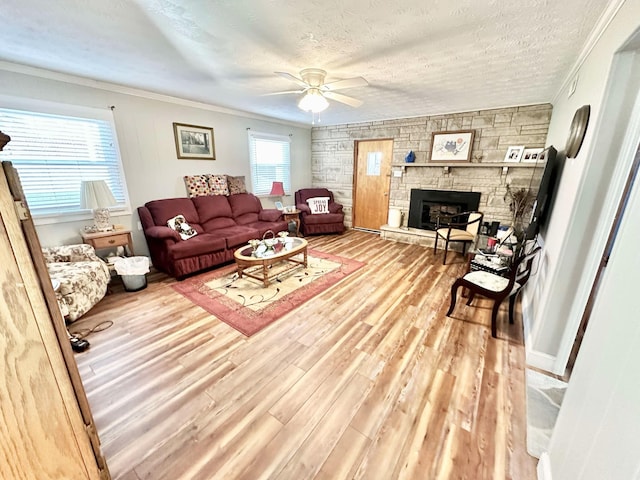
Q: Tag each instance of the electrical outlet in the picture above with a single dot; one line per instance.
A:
(139, 225)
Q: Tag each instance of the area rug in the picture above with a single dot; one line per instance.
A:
(544, 398)
(246, 305)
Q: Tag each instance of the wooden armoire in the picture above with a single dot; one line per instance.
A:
(46, 427)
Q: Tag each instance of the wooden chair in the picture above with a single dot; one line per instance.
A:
(496, 287)
(464, 232)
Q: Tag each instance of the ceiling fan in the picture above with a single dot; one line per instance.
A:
(316, 91)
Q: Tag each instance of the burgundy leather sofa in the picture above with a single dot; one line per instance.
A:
(319, 223)
(223, 225)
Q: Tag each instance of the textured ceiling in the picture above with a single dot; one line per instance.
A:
(420, 56)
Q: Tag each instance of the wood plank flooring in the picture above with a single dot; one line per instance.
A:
(369, 380)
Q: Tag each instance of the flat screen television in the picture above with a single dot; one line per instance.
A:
(544, 200)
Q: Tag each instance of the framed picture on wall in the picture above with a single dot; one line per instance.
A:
(451, 146)
(194, 142)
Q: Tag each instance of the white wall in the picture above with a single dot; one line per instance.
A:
(145, 134)
(596, 434)
(585, 197)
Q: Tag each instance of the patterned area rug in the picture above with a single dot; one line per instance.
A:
(544, 398)
(246, 305)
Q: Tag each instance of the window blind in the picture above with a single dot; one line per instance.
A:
(270, 161)
(54, 153)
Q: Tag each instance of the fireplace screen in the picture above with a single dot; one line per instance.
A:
(439, 213)
(430, 208)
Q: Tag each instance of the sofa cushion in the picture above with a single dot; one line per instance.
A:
(263, 227)
(205, 243)
(238, 235)
(236, 185)
(325, 218)
(218, 185)
(270, 215)
(247, 218)
(162, 210)
(214, 212)
(244, 203)
(197, 185)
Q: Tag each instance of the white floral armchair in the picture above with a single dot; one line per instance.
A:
(83, 278)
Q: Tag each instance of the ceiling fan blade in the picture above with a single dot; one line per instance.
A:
(282, 93)
(338, 97)
(346, 83)
(293, 78)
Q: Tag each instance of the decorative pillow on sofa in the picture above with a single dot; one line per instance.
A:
(218, 185)
(318, 204)
(197, 185)
(236, 185)
(180, 225)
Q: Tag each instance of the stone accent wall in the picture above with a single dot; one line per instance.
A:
(332, 155)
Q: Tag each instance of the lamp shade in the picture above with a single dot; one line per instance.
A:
(96, 194)
(277, 189)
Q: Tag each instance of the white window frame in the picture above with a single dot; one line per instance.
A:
(51, 108)
(260, 185)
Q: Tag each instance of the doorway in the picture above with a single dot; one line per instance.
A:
(372, 176)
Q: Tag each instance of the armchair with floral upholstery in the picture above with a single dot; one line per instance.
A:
(83, 278)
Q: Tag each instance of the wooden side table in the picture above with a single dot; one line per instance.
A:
(293, 216)
(114, 238)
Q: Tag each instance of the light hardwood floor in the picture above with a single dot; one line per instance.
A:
(368, 380)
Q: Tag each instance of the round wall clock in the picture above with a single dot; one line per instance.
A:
(577, 131)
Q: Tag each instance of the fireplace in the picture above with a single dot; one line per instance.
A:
(427, 206)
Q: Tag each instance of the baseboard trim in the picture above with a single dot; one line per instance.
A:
(544, 467)
(541, 361)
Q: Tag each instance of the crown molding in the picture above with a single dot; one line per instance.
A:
(115, 88)
(603, 22)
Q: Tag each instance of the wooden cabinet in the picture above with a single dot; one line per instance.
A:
(47, 429)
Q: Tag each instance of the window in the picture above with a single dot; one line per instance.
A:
(270, 161)
(54, 153)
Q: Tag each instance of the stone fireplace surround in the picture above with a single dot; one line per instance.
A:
(333, 146)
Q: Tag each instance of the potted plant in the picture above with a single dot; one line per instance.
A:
(520, 204)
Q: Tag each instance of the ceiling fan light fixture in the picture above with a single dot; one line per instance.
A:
(313, 101)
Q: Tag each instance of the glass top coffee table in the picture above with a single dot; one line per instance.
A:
(259, 268)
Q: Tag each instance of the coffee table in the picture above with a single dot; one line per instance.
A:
(259, 267)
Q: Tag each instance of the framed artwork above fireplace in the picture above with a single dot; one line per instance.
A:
(452, 146)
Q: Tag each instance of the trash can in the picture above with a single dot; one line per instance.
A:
(395, 218)
(133, 271)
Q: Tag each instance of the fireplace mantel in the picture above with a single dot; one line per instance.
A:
(448, 165)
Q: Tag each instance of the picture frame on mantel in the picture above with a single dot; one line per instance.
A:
(514, 154)
(531, 155)
(454, 146)
(194, 142)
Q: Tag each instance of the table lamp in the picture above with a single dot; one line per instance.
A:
(95, 195)
(277, 190)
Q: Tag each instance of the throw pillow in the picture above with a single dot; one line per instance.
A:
(218, 185)
(236, 185)
(197, 185)
(318, 204)
(180, 225)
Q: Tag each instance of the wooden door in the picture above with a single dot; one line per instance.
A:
(53, 435)
(371, 183)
